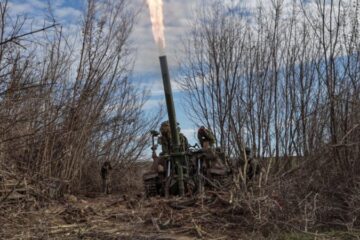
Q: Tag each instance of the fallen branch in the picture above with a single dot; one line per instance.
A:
(9, 193)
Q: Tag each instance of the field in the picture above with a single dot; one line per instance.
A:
(266, 92)
(29, 213)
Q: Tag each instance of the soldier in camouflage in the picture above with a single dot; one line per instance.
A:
(165, 139)
(166, 145)
(253, 165)
(105, 176)
(184, 144)
(207, 141)
(206, 138)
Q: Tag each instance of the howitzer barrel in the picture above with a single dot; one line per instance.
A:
(169, 101)
(172, 121)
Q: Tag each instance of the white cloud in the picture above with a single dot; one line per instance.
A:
(16, 9)
(190, 134)
(38, 3)
(67, 12)
(155, 86)
(152, 104)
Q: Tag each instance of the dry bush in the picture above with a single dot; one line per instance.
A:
(125, 178)
(315, 195)
(64, 111)
(129, 180)
(284, 81)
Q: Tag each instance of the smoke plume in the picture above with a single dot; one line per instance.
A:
(157, 21)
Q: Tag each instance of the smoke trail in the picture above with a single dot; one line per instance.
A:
(157, 21)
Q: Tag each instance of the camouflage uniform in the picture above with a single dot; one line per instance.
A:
(105, 176)
(184, 144)
(253, 165)
(205, 137)
(165, 139)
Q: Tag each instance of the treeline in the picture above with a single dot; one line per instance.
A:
(67, 104)
(284, 76)
(284, 79)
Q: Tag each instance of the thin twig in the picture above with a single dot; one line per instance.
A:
(28, 33)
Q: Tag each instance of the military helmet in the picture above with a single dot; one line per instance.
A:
(201, 129)
(164, 123)
(165, 128)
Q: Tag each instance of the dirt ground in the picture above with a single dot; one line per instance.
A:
(122, 217)
(109, 217)
(104, 217)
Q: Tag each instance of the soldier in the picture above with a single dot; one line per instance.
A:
(105, 176)
(184, 143)
(207, 141)
(206, 138)
(165, 139)
(253, 166)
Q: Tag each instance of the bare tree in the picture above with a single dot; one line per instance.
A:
(65, 110)
(273, 80)
(212, 72)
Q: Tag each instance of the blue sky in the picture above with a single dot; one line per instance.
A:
(177, 17)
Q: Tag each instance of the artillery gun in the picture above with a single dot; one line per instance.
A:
(202, 168)
(163, 179)
(208, 168)
(181, 171)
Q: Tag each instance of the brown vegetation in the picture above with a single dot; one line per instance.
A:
(65, 110)
(284, 81)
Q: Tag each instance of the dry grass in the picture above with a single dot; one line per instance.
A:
(312, 200)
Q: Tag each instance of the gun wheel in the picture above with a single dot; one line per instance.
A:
(150, 186)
